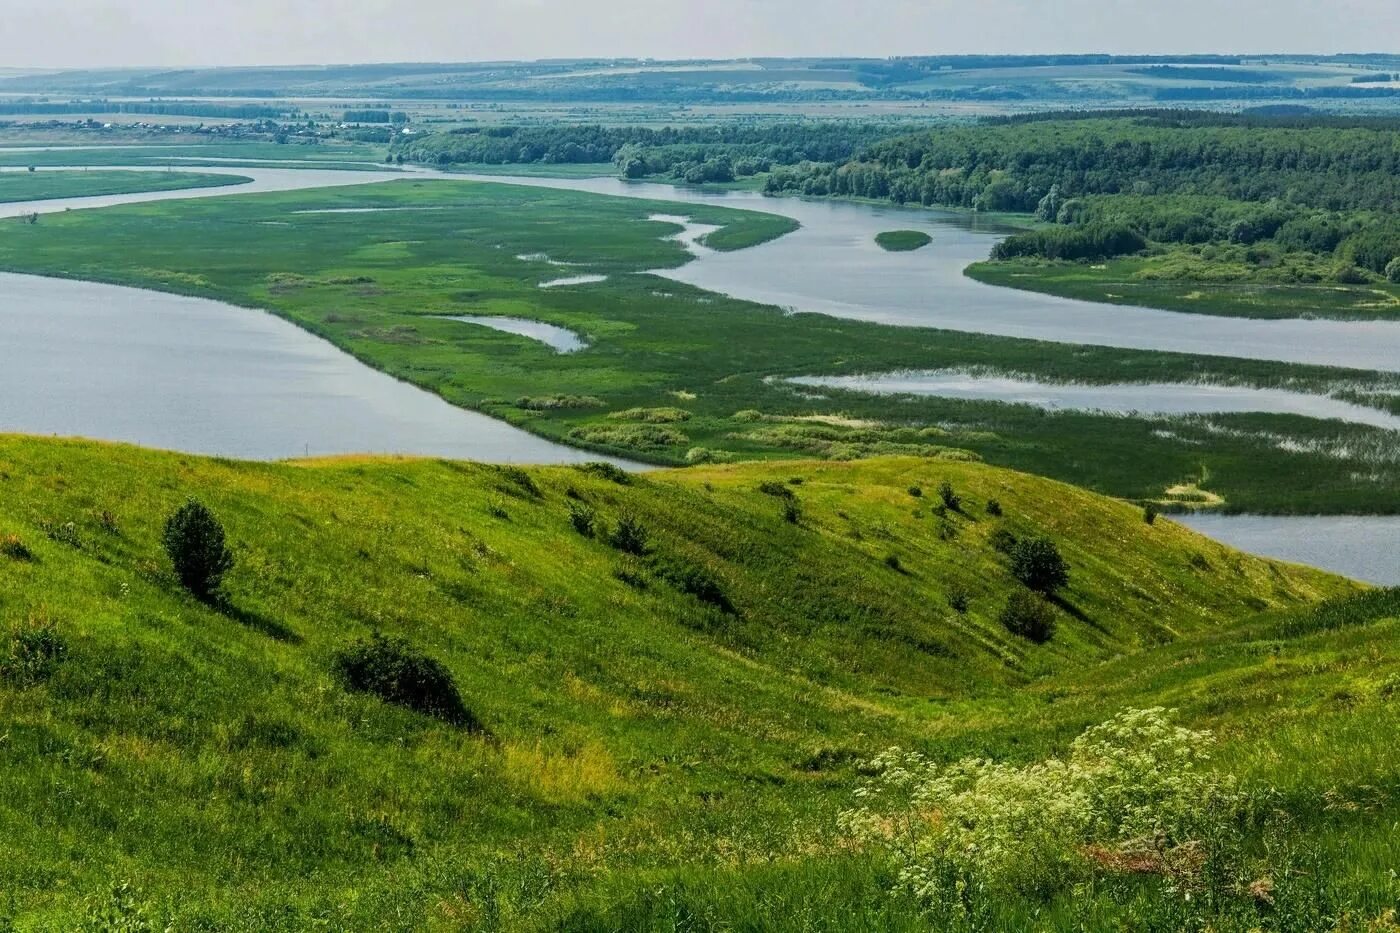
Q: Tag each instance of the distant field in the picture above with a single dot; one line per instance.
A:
(38, 186)
(167, 151)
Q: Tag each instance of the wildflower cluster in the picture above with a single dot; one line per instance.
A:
(1133, 794)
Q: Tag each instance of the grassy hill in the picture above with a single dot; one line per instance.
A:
(667, 735)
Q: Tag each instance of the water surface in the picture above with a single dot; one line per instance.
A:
(167, 371)
(1365, 547)
(1118, 398)
(832, 265)
(559, 338)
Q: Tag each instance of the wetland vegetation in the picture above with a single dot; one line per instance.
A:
(385, 283)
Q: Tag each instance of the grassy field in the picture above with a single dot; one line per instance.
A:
(1140, 281)
(382, 285)
(38, 186)
(657, 753)
(902, 241)
(165, 152)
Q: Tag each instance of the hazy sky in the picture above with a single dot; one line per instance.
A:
(225, 32)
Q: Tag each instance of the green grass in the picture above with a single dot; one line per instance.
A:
(649, 755)
(902, 241)
(381, 286)
(537, 169)
(39, 186)
(1145, 282)
(166, 152)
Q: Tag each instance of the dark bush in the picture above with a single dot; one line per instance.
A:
(15, 549)
(1037, 563)
(398, 673)
(630, 535)
(582, 518)
(1003, 540)
(1028, 616)
(1149, 513)
(959, 599)
(194, 539)
(773, 488)
(520, 480)
(949, 498)
(31, 655)
(607, 471)
(792, 511)
(695, 580)
(993, 507)
(916, 491)
(893, 562)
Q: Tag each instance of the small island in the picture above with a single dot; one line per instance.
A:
(902, 241)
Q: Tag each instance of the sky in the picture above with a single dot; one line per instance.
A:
(189, 33)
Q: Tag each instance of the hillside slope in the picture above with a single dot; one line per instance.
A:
(702, 704)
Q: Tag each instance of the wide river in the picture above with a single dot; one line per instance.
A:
(209, 378)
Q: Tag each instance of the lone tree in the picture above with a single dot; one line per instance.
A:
(194, 539)
(1037, 563)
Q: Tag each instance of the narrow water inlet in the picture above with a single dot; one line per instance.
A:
(1114, 398)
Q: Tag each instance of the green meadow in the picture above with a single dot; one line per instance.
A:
(673, 374)
(40, 186)
(668, 732)
(1169, 282)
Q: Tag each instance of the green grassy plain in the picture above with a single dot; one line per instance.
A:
(902, 241)
(652, 760)
(39, 186)
(168, 152)
(382, 285)
(1137, 281)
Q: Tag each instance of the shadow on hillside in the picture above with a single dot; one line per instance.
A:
(1075, 612)
(255, 621)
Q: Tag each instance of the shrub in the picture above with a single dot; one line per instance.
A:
(582, 518)
(652, 415)
(521, 480)
(959, 599)
(15, 549)
(694, 580)
(607, 471)
(1134, 794)
(31, 655)
(916, 491)
(630, 535)
(1003, 540)
(398, 673)
(776, 489)
(1149, 513)
(1392, 271)
(949, 498)
(194, 539)
(1037, 563)
(792, 511)
(893, 562)
(993, 507)
(1029, 617)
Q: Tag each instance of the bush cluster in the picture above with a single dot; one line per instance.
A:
(399, 673)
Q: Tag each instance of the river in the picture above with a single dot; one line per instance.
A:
(252, 385)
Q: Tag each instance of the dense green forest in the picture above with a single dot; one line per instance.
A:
(1287, 198)
(695, 154)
